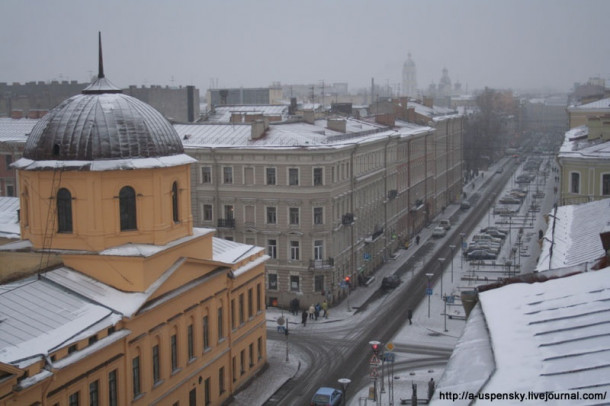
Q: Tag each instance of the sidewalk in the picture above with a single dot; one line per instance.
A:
(424, 330)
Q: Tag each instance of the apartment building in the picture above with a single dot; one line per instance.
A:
(328, 199)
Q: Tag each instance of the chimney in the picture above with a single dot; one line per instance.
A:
(604, 235)
(293, 106)
(411, 114)
(386, 119)
(258, 128)
(16, 114)
(337, 124)
(428, 101)
(309, 116)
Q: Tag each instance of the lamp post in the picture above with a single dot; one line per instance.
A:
(344, 384)
(445, 312)
(462, 235)
(429, 275)
(452, 247)
(441, 261)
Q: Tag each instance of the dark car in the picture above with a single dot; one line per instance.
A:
(326, 397)
(481, 254)
(390, 282)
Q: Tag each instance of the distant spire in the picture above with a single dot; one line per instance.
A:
(100, 73)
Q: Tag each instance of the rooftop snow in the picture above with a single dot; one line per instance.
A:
(222, 114)
(106, 164)
(9, 220)
(12, 130)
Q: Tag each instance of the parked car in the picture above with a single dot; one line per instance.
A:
(482, 246)
(439, 232)
(481, 254)
(445, 223)
(495, 233)
(509, 200)
(326, 397)
(494, 228)
(390, 282)
(486, 237)
(465, 205)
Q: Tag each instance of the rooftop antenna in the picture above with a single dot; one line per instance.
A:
(100, 73)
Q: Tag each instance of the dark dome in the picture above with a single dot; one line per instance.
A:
(102, 123)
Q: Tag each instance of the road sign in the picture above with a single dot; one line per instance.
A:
(429, 291)
(375, 361)
(389, 356)
(389, 346)
(374, 373)
(450, 299)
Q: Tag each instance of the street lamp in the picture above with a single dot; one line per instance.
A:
(441, 261)
(452, 247)
(429, 275)
(462, 235)
(445, 313)
(344, 384)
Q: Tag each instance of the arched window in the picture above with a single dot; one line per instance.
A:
(127, 208)
(175, 202)
(64, 211)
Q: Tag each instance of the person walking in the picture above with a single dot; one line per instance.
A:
(304, 318)
(410, 315)
(312, 310)
(325, 309)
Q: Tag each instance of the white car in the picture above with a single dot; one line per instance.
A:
(439, 232)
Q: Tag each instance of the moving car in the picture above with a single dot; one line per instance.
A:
(390, 282)
(445, 223)
(439, 232)
(465, 205)
(327, 397)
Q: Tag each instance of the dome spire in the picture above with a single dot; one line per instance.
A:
(101, 84)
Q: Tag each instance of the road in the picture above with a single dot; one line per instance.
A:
(338, 354)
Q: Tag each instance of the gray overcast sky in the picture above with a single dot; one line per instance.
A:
(495, 43)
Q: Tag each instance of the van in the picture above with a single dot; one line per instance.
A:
(445, 223)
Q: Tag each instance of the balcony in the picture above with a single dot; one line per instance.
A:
(226, 223)
(321, 263)
(347, 219)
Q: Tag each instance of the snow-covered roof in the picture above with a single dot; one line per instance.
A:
(12, 130)
(549, 336)
(577, 145)
(287, 135)
(222, 114)
(9, 220)
(105, 164)
(603, 104)
(573, 235)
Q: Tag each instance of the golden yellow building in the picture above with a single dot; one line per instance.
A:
(145, 309)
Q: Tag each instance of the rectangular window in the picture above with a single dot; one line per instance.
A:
(229, 212)
(575, 182)
(242, 362)
(259, 347)
(193, 397)
(227, 175)
(221, 333)
(250, 307)
(74, 399)
(318, 177)
(189, 332)
(271, 215)
(318, 283)
(112, 389)
(294, 216)
(606, 184)
(207, 212)
(270, 174)
(206, 174)
(155, 364)
(234, 368)
(174, 351)
(294, 283)
(318, 249)
(135, 376)
(318, 215)
(94, 395)
(258, 297)
(221, 380)
(207, 399)
(295, 254)
(272, 278)
(206, 333)
(251, 354)
(241, 308)
(233, 314)
(293, 176)
(272, 248)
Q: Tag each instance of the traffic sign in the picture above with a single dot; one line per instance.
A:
(450, 299)
(389, 356)
(375, 361)
(429, 291)
(374, 373)
(389, 346)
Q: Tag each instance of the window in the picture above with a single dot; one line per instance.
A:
(174, 351)
(74, 399)
(206, 174)
(155, 364)
(258, 297)
(64, 211)
(259, 347)
(221, 380)
(135, 376)
(318, 249)
(94, 395)
(318, 283)
(127, 208)
(606, 184)
(575, 182)
(294, 283)
(241, 308)
(112, 389)
(229, 211)
(227, 174)
(293, 176)
(294, 250)
(272, 281)
(271, 215)
(234, 368)
(270, 175)
(294, 216)
(318, 215)
(9, 161)
(189, 332)
(220, 325)
(206, 333)
(193, 397)
(175, 202)
(250, 307)
(206, 392)
(272, 248)
(242, 361)
(318, 177)
(207, 212)
(251, 354)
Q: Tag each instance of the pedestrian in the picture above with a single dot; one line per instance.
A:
(430, 388)
(417, 240)
(317, 310)
(325, 309)
(312, 310)
(410, 315)
(304, 318)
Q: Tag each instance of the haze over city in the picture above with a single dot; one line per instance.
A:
(518, 44)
